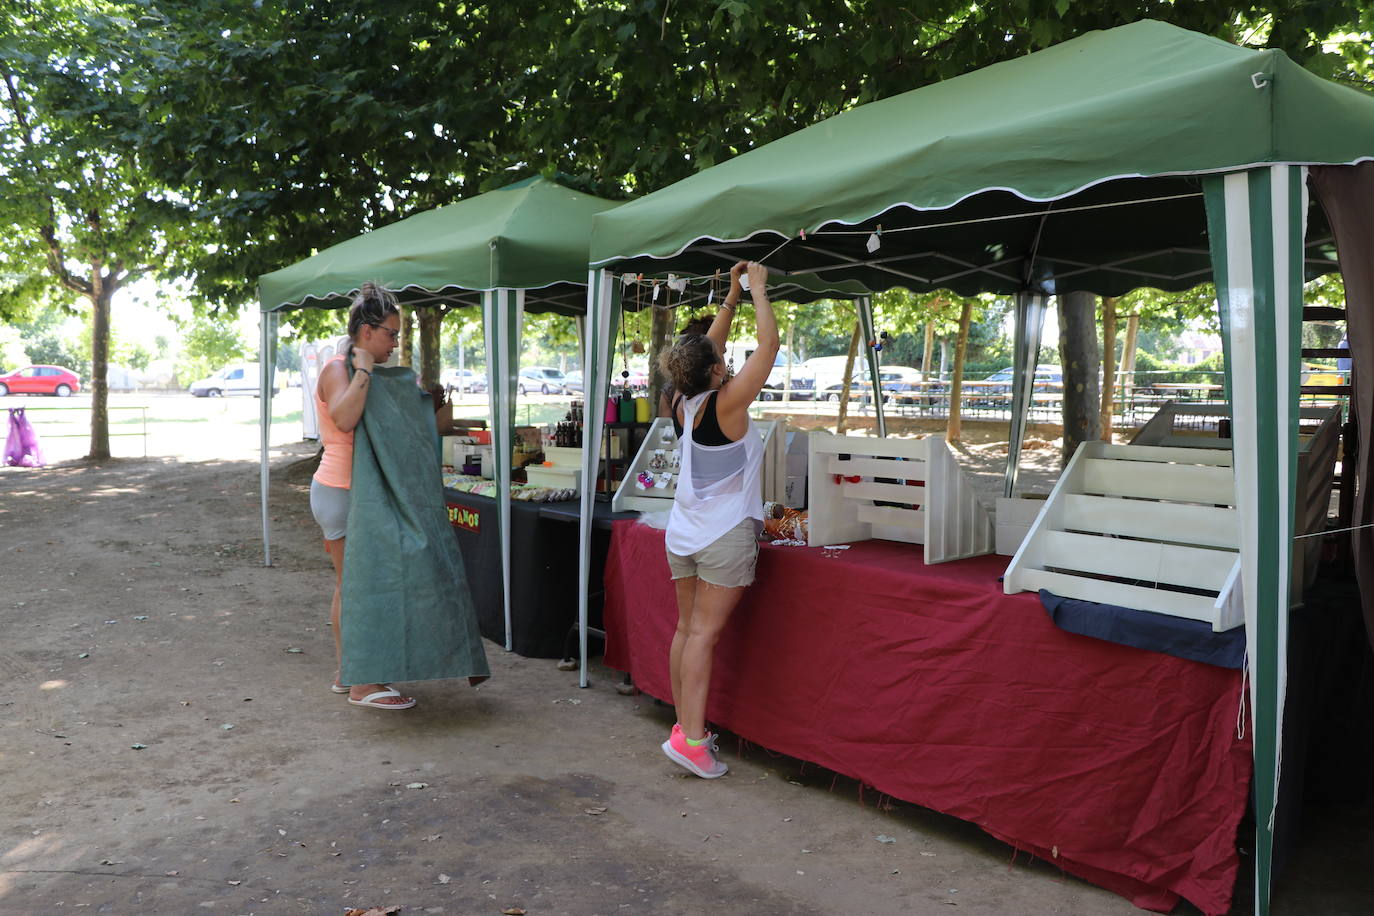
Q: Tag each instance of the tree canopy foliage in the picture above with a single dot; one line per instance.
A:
(290, 125)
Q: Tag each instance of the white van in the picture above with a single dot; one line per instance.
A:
(241, 378)
(803, 379)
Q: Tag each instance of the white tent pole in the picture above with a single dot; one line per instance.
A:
(502, 316)
(864, 306)
(603, 305)
(1256, 223)
(1030, 321)
(267, 368)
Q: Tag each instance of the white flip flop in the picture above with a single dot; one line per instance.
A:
(372, 698)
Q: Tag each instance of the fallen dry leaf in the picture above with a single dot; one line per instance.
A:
(600, 809)
(512, 911)
(373, 911)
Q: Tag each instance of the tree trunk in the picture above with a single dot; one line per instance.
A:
(1128, 359)
(956, 385)
(429, 320)
(1079, 357)
(1108, 364)
(660, 338)
(848, 374)
(929, 352)
(787, 376)
(101, 294)
(407, 342)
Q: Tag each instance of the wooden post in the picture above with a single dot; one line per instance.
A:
(848, 374)
(956, 385)
(1108, 365)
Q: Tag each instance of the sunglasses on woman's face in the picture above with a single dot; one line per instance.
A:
(395, 334)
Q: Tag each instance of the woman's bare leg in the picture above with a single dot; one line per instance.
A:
(686, 598)
(711, 609)
(357, 691)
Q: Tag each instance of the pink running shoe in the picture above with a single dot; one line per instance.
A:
(701, 759)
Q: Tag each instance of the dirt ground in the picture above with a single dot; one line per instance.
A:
(168, 745)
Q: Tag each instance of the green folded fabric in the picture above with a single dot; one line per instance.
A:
(407, 612)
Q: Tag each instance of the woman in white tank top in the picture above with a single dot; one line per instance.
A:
(711, 539)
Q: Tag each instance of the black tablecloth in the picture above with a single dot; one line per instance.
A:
(544, 555)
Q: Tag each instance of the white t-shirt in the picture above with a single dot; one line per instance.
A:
(717, 485)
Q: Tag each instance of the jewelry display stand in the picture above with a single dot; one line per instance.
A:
(651, 481)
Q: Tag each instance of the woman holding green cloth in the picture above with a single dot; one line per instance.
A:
(372, 635)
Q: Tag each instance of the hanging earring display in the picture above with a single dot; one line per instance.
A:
(730, 350)
(624, 346)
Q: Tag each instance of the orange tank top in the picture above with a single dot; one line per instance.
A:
(336, 467)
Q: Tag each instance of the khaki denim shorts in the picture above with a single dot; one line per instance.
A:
(727, 561)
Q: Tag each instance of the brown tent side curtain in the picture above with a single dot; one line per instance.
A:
(1346, 193)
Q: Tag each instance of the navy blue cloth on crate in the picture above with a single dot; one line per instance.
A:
(1177, 636)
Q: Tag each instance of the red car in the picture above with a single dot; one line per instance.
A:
(40, 380)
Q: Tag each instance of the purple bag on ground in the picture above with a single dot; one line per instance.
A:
(21, 448)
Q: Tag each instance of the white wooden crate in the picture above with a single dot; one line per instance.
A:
(937, 506)
(1144, 527)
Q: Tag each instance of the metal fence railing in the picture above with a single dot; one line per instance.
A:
(1136, 398)
(59, 427)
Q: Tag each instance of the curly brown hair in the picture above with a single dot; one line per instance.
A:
(687, 363)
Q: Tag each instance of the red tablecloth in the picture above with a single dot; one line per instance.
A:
(929, 684)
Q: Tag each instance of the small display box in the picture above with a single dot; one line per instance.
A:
(909, 490)
(562, 468)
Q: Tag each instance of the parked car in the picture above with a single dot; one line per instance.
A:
(53, 380)
(469, 381)
(861, 389)
(889, 377)
(238, 379)
(1045, 376)
(572, 382)
(892, 375)
(995, 389)
(544, 379)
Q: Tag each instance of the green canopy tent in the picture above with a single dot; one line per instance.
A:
(520, 248)
(1144, 155)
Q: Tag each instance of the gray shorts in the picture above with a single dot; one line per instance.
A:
(728, 561)
(330, 508)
